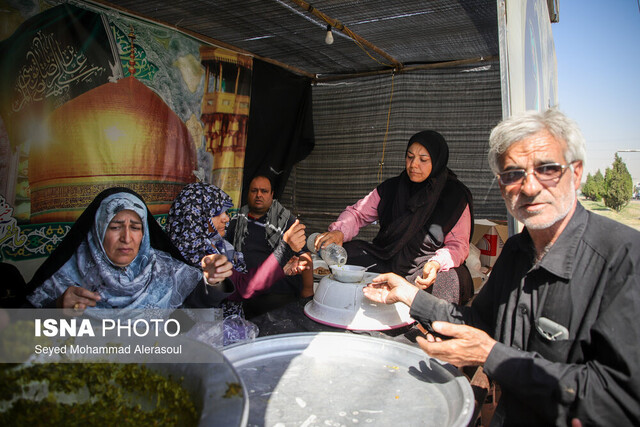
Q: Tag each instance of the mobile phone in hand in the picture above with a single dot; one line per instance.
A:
(429, 329)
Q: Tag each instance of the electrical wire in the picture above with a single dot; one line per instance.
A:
(386, 132)
(353, 37)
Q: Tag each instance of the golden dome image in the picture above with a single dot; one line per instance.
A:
(118, 134)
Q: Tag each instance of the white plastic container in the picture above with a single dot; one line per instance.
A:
(332, 254)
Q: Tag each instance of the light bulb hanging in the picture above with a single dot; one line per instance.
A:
(329, 37)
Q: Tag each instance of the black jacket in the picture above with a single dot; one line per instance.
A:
(589, 283)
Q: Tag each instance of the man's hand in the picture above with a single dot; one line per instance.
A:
(216, 268)
(390, 288)
(305, 262)
(325, 239)
(296, 265)
(429, 273)
(295, 237)
(307, 276)
(467, 347)
(291, 267)
(78, 299)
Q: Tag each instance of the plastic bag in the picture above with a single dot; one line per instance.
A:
(473, 260)
(237, 329)
(208, 327)
(212, 328)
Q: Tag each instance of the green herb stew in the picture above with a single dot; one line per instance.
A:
(75, 394)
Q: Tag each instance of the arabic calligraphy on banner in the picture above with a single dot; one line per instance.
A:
(74, 120)
(50, 71)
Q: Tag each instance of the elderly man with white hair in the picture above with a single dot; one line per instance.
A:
(556, 324)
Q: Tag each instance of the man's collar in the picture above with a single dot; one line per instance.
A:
(560, 258)
(255, 218)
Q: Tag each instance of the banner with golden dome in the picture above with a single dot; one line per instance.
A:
(91, 99)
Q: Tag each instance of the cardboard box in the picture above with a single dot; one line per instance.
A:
(489, 237)
(478, 283)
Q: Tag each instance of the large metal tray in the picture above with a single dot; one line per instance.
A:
(333, 378)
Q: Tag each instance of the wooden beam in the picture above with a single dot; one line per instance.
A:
(345, 30)
(406, 69)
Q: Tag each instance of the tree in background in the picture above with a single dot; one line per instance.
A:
(618, 185)
(593, 188)
(598, 179)
(588, 189)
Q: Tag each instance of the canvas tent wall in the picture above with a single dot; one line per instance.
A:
(362, 133)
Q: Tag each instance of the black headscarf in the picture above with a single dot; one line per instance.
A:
(409, 211)
(80, 229)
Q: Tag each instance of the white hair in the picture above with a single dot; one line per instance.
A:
(521, 126)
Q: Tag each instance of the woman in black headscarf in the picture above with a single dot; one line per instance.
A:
(425, 217)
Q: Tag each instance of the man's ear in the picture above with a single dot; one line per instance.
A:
(576, 171)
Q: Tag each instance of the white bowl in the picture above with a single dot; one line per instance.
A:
(348, 273)
(343, 305)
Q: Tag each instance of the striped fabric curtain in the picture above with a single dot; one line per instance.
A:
(362, 127)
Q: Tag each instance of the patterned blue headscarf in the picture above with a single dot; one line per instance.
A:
(188, 224)
(152, 280)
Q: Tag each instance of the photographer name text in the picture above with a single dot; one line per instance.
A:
(107, 349)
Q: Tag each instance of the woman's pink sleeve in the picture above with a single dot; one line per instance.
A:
(456, 244)
(256, 279)
(354, 217)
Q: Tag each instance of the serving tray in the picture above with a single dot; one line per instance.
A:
(333, 378)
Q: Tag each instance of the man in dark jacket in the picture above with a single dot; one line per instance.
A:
(256, 231)
(556, 324)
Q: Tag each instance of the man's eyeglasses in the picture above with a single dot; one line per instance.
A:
(546, 172)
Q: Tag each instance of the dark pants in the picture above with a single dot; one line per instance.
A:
(264, 303)
(279, 294)
(13, 292)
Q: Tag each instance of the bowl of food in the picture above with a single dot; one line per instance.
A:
(320, 269)
(348, 273)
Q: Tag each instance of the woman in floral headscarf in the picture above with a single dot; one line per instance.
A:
(196, 225)
(117, 256)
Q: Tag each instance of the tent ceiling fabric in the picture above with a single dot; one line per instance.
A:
(462, 103)
(410, 31)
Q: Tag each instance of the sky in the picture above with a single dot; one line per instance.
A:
(598, 54)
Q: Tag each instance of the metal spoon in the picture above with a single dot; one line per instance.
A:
(372, 265)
